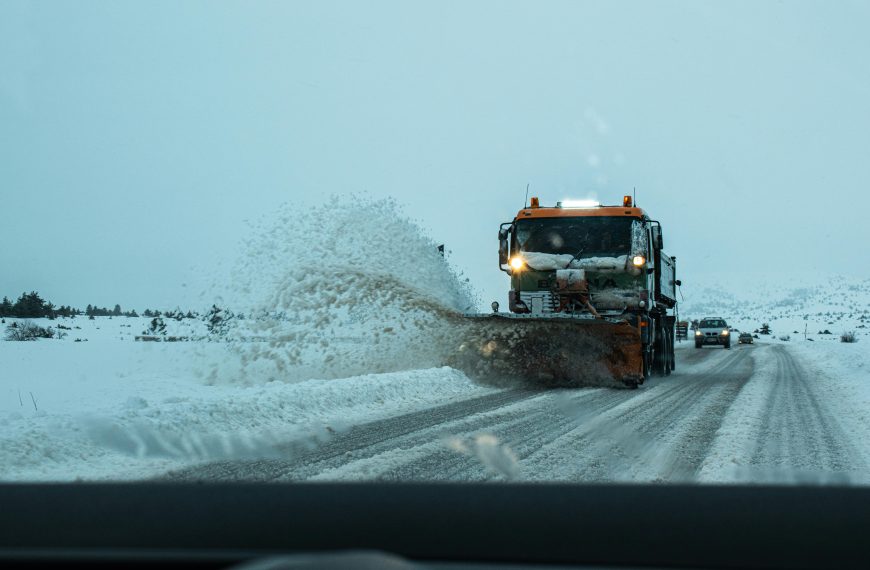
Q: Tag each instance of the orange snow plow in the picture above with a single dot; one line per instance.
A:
(559, 349)
(591, 291)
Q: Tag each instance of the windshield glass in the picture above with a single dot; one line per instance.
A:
(278, 241)
(594, 236)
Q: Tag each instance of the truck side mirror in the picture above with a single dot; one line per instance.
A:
(503, 249)
(658, 241)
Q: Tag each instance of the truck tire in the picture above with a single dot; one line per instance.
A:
(647, 364)
(668, 345)
(660, 366)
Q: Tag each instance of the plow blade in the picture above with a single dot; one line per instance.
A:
(557, 349)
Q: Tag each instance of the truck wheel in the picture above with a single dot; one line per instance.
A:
(659, 354)
(668, 346)
(647, 368)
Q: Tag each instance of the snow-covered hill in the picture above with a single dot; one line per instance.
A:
(789, 306)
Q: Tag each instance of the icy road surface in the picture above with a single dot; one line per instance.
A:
(753, 413)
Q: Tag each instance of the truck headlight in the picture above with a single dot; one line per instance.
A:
(638, 260)
(517, 263)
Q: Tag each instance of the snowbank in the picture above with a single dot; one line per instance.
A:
(840, 376)
(124, 410)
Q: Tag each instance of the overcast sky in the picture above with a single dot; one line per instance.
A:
(136, 137)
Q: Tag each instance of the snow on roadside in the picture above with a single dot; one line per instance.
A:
(843, 371)
(841, 376)
(98, 417)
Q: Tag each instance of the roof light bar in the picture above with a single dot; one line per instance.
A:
(578, 204)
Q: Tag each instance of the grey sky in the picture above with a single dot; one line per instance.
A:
(135, 137)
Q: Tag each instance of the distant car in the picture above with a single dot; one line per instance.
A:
(713, 330)
(744, 338)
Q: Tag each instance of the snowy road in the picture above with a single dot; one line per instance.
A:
(669, 430)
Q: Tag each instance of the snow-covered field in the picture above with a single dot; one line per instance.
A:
(115, 408)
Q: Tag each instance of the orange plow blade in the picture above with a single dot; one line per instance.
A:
(558, 349)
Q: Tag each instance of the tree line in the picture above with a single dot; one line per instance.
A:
(33, 306)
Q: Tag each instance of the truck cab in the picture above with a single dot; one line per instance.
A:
(584, 257)
(585, 260)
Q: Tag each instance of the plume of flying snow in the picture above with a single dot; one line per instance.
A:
(350, 287)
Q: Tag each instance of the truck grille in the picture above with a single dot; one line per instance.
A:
(539, 301)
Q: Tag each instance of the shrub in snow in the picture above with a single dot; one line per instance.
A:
(26, 330)
(765, 329)
(848, 336)
(156, 327)
(217, 320)
(785, 338)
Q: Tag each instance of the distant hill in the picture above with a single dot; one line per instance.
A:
(836, 303)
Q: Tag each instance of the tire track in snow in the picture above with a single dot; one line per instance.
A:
(798, 432)
(662, 437)
(565, 419)
(305, 456)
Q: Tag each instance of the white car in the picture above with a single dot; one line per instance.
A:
(712, 330)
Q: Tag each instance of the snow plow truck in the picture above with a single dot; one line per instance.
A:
(591, 299)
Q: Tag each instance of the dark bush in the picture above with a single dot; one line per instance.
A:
(26, 330)
(848, 336)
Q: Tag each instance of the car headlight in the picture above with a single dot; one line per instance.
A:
(698, 333)
(725, 332)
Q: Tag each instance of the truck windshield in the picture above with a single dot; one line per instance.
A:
(596, 236)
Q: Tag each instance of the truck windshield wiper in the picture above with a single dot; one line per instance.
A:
(576, 256)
